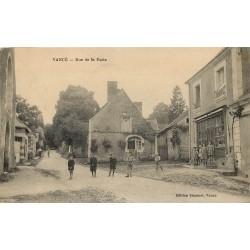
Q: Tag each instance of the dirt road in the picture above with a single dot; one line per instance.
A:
(49, 182)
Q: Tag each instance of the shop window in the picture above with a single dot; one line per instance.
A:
(213, 129)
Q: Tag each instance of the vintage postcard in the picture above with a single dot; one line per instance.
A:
(125, 125)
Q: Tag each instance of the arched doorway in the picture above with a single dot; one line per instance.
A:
(9, 86)
(7, 148)
(134, 143)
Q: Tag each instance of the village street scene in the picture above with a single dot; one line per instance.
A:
(124, 125)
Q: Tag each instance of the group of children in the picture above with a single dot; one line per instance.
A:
(93, 165)
(112, 164)
(203, 155)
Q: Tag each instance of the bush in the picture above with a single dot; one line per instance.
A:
(107, 143)
(5, 178)
(94, 146)
(14, 169)
(121, 144)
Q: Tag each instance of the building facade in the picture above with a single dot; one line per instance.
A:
(22, 139)
(173, 139)
(119, 127)
(219, 107)
(7, 109)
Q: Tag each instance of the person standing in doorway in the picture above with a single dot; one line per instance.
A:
(157, 161)
(204, 154)
(93, 165)
(113, 163)
(199, 155)
(130, 164)
(210, 152)
(195, 156)
(71, 166)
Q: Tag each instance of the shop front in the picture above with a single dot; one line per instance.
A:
(212, 128)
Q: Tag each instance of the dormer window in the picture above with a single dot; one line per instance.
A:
(126, 124)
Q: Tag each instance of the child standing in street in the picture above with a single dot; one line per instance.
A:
(93, 165)
(112, 162)
(71, 165)
(130, 164)
(157, 161)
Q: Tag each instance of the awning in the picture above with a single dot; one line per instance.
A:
(209, 114)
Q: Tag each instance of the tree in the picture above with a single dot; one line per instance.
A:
(178, 104)
(49, 134)
(76, 105)
(161, 113)
(30, 115)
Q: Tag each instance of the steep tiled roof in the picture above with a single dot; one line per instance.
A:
(153, 124)
(175, 121)
(20, 124)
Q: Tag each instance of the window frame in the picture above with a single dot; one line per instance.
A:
(196, 84)
(220, 66)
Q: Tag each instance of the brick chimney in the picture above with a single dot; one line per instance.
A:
(138, 106)
(112, 90)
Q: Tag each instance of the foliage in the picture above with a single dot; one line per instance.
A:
(178, 104)
(49, 134)
(122, 144)
(30, 115)
(144, 132)
(106, 143)
(76, 105)
(175, 139)
(94, 146)
(161, 113)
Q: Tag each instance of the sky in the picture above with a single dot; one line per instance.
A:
(148, 75)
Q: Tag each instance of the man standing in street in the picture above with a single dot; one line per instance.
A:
(130, 164)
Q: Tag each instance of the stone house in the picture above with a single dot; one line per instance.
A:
(21, 141)
(178, 129)
(7, 109)
(119, 127)
(219, 101)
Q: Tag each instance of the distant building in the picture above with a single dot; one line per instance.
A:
(220, 107)
(40, 138)
(32, 151)
(7, 109)
(119, 127)
(168, 149)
